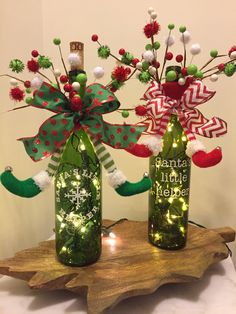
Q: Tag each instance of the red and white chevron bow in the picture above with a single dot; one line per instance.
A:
(160, 108)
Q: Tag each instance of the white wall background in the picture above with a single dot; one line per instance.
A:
(32, 24)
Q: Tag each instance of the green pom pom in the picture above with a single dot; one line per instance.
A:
(213, 53)
(199, 74)
(16, 65)
(171, 76)
(148, 47)
(117, 84)
(81, 78)
(156, 45)
(229, 69)
(44, 62)
(171, 26)
(182, 29)
(145, 65)
(125, 113)
(192, 69)
(28, 90)
(144, 77)
(127, 58)
(57, 41)
(104, 52)
(28, 100)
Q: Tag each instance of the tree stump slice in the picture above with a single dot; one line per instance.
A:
(129, 265)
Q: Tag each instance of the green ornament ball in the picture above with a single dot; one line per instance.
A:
(213, 53)
(125, 113)
(145, 65)
(81, 78)
(192, 69)
(56, 41)
(28, 100)
(199, 74)
(148, 47)
(171, 76)
(171, 26)
(156, 45)
(182, 29)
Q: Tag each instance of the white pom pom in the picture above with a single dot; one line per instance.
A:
(74, 59)
(181, 81)
(116, 178)
(195, 49)
(13, 82)
(185, 37)
(154, 143)
(148, 56)
(170, 40)
(57, 72)
(98, 72)
(152, 70)
(150, 10)
(139, 65)
(42, 180)
(233, 55)
(76, 86)
(194, 147)
(36, 82)
(153, 15)
(214, 77)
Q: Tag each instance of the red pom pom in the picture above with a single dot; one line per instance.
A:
(33, 65)
(184, 71)
(231, 50)
(67, 87)
(156, 64)
(34, 53)
(221, 67)
(94, 37)
(169, 56)
(179, 58)
(76, 103)
(17, 94)
(121, 51)
(151, 29)
(135, 61)
(63, 79)
(120, 73)
(141, 111)
(27, 84)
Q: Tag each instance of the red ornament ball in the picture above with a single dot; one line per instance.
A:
(34, 53)
(33, 65)
(179, 58)
(94, 37)
(135, 61)
(63, 79)
(121, 51)
(184, 71)
(17, 94)
(68, 88)
(27, 84)
(76, 103)
(151, 29)
(221, 66)
(169, 56)
(141, 111)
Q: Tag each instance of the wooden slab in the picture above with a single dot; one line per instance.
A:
(129, 265)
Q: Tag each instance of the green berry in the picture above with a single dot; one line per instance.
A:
(182, 29)
(28, 90)
(127, 58)
(192, 69)
(16, 65)
(199, 74)
(144, 77)
(148, 47)
(81, 78)
(213, 53)
(229, 69)
(125, 113)
(28, 100)
(171, 26)
(156, 45)
(145, 65)
(57, 41)
(104, 52)
(171, 76)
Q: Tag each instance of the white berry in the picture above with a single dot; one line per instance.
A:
(76, 86)
(181, 81)
(13, 82)
(214, 77)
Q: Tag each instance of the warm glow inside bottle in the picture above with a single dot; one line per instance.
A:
(169, 195)
(78, 203)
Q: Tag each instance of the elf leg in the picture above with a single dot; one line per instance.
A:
(115, 177)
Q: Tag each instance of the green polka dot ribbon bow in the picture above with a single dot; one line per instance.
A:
(55, 131)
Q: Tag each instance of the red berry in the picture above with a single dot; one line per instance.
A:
(27, 84)
(128, 70)
(67, 87)
(156, 64)
(221, 66)
(113, 89)
(34, 53)
(135, 61)
(169, 55)
(179, 58)
(184, 71)
(63, 79)
(76, 103)
(72, 94)
(121, 51)
(94, 37)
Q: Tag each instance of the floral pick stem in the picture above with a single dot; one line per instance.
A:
(164, 63)
(62, 60)
(16, 78)
(40, 73)
(208, 62)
